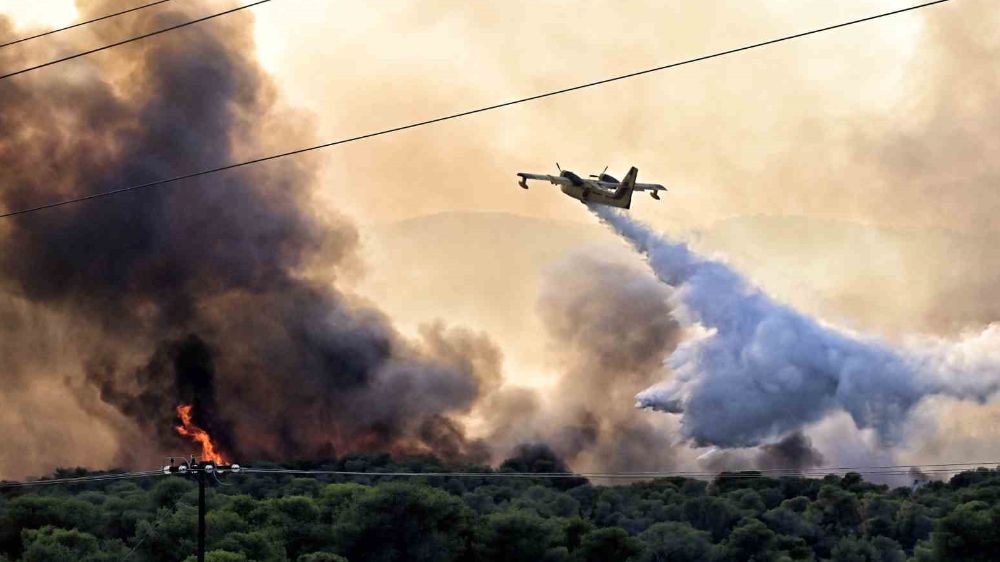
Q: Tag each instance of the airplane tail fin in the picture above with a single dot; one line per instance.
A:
(630, 178)
(624, 191)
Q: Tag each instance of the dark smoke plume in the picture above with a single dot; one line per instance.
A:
(215, 291)
(918, 476)
(539, 458)
(790, 454)
(794, 451)
(534, 457)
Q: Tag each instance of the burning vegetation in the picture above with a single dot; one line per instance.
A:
(209, 288)
(189, 430)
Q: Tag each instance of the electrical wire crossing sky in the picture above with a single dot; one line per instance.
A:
(222, 168)
(129, 40)
(82, 23)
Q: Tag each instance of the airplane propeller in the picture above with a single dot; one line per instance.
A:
(598, 176)
(557, 167)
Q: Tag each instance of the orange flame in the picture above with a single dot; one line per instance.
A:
(198, 435)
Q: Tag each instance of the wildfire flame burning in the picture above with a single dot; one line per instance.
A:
(188, 429)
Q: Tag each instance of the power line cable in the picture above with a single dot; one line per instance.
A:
(930, 467)
(136, 38)
(152, 528)
(958, 465)
(78, 479)
(215, 473)
(160, 182)
(82, 23)
(750, 474)
(624, 474)
(945, 468)
(753, 473)
(649, 473)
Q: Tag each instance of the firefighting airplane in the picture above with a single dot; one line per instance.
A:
(601, 189)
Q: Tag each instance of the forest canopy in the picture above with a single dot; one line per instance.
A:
(333, 518)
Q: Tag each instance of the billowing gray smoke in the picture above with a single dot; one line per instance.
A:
(217, 291)
(792, 453)
(609, 326)
(762, 370)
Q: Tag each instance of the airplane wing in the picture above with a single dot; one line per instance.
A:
(556, 180)
(652, 188)
(638, 187)
(649, 187)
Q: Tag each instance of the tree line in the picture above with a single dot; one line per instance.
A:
(371, 518)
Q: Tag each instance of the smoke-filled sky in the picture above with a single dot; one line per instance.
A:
(848, 175)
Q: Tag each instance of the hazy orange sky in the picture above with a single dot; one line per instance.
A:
(885, 128)
(721, 134)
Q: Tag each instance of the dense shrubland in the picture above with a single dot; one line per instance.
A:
(380, 519)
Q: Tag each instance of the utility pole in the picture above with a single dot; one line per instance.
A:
(201, 514)
(200, 470)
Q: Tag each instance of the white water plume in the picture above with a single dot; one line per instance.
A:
(762, 369)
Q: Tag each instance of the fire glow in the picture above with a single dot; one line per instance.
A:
(188, 429)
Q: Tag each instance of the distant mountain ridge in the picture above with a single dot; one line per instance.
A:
(862, 275)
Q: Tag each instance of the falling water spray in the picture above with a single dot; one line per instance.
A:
(761, 369)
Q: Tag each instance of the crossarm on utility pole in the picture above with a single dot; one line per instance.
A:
(200, 470)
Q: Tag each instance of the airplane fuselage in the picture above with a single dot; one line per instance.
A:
(601, 190)
(593, 192)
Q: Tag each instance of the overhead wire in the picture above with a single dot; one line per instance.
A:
(78, 479)
(164, 181)
(131, 40)
(215, 473)
(608, 477)
(886, 470)
(83, 23)
(958, 465)
(135, 547)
